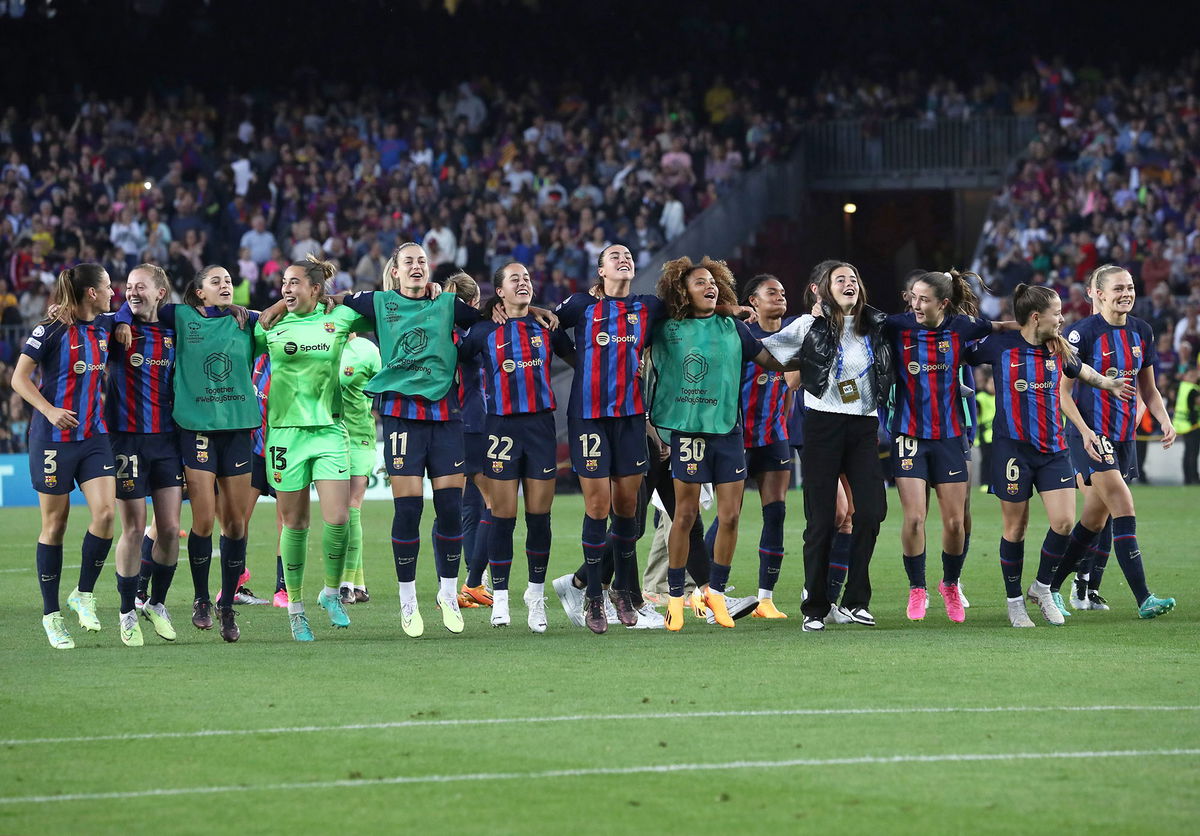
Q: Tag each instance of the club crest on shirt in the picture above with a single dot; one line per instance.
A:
(202, 456)
(330, 327)
(943, 346)
(103, 345)
(590, 465)
(1012, 488)
(398, 463)
(906, 464)
(1050, 365)
(498, 467)
(535, 341)
(348, 371)
(51, 481)
(169, 342)
(277, 476)
(631, 318)
(1108, 458)
(692, 468)
(127, 485)
(1137, 351)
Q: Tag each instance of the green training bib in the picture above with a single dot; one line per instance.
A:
(698, 363)
(213, 360)
(416, 345)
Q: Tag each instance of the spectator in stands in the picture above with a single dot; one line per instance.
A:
(258, 240)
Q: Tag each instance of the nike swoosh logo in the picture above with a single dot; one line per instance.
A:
(740, 470)
(1017, 365)
(341, 471)
(601, 319)
(1107, 353)
(242, 464)
(178, 478)
(1068, 479)
(908, 347)
(639, 464)
(502, 345)
(954, 472)
(460, 464)
(548, 469)
(108, 467)
(76, 346)
(785, 461)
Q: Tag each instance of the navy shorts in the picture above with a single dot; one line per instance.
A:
(708, 458)
(221, 453)
(608, 447)
(258, 476)
(56, 467)
(1114, 455)
(774, 456)
(939, 461)
(1018, 467)
(521, 446)
(146, 462)
(419, 448)
(475, 445)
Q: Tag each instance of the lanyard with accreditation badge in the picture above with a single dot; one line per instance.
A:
(848, 389)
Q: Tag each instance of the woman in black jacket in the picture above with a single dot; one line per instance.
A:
(846, 368)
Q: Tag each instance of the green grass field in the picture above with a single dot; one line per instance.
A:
(904, 728)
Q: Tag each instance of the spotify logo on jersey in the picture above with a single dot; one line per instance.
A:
(136, 360)
(914, 368)
(509, 366)
(289, 348)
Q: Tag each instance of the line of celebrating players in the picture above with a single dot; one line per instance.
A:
(241, 405)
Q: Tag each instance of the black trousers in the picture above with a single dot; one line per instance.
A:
(836, 444)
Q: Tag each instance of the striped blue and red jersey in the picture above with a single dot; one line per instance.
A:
(516, 364)
(1114, 351)
(71, 360)
(764, 397)
(261, 378)
(1026, 378)
(928, 399)
(610, 336)
(140, 396)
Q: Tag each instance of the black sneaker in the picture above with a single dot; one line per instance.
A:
(202, 614)
(593, 614)
(229, 628)
(623, 604)
(813, 625)
(858, 615)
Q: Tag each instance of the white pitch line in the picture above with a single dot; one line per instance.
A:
(577, 718)
(610, 770)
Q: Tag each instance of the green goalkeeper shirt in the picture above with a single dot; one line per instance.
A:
(306, 354)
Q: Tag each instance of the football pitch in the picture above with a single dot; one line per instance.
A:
(900, 728)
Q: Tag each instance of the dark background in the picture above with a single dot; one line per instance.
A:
(117, 46)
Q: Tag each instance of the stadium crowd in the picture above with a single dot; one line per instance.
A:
(1111, 177)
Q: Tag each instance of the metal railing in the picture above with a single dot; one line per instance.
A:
(909, 147)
